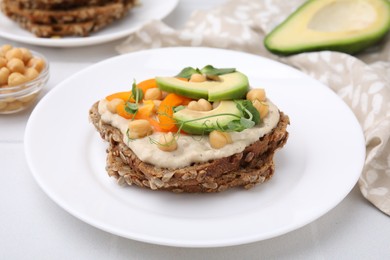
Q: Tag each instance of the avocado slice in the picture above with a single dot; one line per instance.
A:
(202, 122)
(230, 86)
(345, 25)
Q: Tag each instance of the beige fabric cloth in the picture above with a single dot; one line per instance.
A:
(363, 81)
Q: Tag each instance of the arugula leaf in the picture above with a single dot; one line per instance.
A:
(210, 70)
(187, 72)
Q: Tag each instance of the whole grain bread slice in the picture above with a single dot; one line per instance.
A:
(252, 166)
(59, 4)
(74, 15)
(70, 29)
(75, 22)
(84, 28)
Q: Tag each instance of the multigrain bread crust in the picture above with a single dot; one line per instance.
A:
(252, 166)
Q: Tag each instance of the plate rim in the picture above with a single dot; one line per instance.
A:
(164, 241)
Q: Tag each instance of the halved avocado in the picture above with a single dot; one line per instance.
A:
(345, 25)
(230, 86)
(202, 122)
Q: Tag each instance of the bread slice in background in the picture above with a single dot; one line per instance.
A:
(80, 20)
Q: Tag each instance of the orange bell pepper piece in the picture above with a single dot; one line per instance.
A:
(125, 96)
(147, 84)
(165, 111)
(144, 112)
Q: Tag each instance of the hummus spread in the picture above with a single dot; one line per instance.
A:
(191, 148)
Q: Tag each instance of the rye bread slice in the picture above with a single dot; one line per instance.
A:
(252, 166)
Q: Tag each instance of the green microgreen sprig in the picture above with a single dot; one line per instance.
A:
(175, 138)
(137, 95)
(132, 108)
(249, 118)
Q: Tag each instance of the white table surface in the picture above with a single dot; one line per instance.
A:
(32, 226)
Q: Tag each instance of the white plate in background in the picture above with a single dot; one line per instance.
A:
(148, 10)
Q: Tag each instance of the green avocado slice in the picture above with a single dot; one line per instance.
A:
(203, 122)
(230, 86)
(345, 25)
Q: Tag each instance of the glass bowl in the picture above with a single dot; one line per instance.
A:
(17, 98)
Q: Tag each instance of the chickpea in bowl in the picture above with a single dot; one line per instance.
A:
(23, 73)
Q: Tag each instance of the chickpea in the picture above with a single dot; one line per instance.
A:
(157, 103)
(3, 62)
(16, 65)
(9, 99)
(216, 104)
(164, 95)
(262, 107)
(14, 53)
(219, 139)
(5, 48)
(153, 94)
(13, 62)
(26, 55)
(28, 98)
(200, 105)
(205, 105)
(167, 142)
(36, 63)
(13, 106)
(16, 79)
(193, 105)
(3, 105)
(31, 73)
(139, 128)
(4, 74)
(113, 104)
(213, 77)
(256, 94)
(197, 78)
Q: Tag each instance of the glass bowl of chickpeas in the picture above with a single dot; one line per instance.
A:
(23, 74)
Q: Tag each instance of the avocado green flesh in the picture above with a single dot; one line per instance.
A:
(202, 122)
(347, 26)
(230, 86)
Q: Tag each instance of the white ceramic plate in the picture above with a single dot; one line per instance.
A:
(147, 11)
(315, 170)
